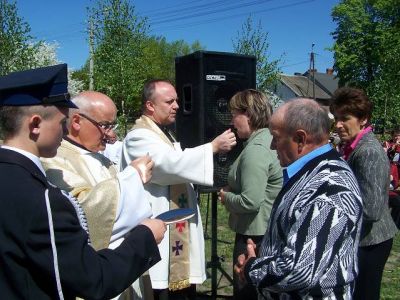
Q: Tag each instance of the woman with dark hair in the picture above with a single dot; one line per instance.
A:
(254, 179)
(365, 155)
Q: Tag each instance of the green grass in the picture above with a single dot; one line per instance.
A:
(390, 289)
(226, 239)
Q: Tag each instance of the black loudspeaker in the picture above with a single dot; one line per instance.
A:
(205, 82)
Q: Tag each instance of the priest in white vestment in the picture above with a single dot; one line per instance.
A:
(113, 149)
(174, 172)
(114, 202)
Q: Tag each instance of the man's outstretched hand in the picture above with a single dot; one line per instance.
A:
(224, 142)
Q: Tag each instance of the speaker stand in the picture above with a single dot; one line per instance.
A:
(215, 263)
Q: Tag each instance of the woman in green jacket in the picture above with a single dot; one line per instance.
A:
(254, 179)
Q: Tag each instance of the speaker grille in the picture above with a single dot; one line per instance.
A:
(213, 77)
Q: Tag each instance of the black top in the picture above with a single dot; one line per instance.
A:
(26, 259)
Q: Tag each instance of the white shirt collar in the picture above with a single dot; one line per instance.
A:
(29, 155)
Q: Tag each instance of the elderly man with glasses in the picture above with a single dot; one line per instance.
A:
(112, 200)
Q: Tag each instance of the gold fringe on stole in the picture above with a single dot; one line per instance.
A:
(180, 285)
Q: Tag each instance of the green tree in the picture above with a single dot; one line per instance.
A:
(366, 51)
(384, 90)
(16, 43)
(118, 38)
(357, 42)
(19, 51)
(125, 56)
(82, 75)
(253, 40)
(159, 56)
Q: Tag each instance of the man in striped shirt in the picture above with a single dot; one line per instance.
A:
(310, 249)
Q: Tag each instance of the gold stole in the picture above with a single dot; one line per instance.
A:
(76, 177)
(179, 262)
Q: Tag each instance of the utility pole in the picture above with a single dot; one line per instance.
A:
(312, 67)
(91, 60)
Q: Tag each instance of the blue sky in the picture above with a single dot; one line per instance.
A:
(293, 26)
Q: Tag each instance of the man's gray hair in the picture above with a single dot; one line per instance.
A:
(308, 115)
(80, 100)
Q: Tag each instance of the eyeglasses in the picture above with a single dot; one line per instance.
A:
(104, 126)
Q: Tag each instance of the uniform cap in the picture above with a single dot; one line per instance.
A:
(41, 86)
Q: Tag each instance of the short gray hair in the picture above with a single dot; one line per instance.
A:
(84, 105)
(308, 115)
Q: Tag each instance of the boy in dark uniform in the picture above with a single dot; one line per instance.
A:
(45, 251)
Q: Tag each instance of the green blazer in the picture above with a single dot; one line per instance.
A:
(255, 179)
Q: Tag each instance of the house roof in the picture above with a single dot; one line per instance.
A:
(303, 87)
(328, 82)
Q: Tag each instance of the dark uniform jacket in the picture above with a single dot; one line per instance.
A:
(26, 259)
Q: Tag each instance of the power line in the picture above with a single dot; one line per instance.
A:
(174, 11)
(73, 34)
(295, 64)
(162, 9)
(51, 31)
(65, 35)
(43, 33)
(183, 26)
(204, 8)
(210, 11)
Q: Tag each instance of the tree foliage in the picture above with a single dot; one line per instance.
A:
(16, 43)
(82, 75)
(253, 40)
(19, 51)
(125, 55)
(367, 51)
(159, 56)
(118, 38)
(45, 55)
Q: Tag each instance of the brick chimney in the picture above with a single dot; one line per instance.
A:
(329, 71)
